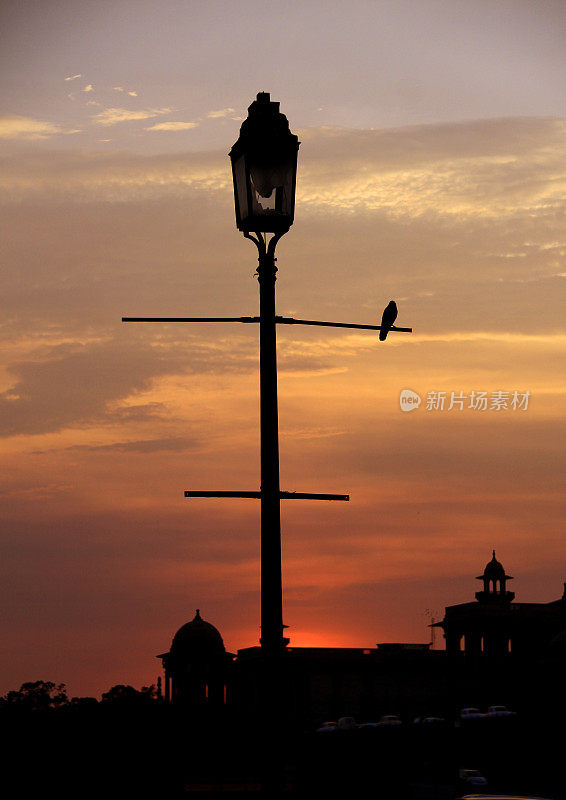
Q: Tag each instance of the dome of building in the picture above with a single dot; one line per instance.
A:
(197, 638)
(494, 569)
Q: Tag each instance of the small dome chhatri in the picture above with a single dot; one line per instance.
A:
(494, 569)
(197, 637)
(494, 583)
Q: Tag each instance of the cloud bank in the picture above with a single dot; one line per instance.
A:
(488, 169)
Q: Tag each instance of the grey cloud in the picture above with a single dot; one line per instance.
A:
(416, 145)
(140, 413)
(465, 452)
(70, 388)
(287, 362)
(175, 443)
(75, 385)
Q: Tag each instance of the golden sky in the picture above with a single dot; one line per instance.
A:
(458, 216)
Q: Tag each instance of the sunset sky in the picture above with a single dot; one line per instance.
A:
(431, 171)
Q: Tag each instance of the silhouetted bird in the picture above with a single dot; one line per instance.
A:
(387, 320)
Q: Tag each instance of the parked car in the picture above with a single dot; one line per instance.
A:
(470, 713)
(326, 727)
(484, 796)
(347, 724)
(429, 720)
(472, 777)
(389, 720)
(500, 712)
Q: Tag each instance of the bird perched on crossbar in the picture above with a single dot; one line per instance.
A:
(387, 320)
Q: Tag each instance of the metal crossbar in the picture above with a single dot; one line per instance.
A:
(278, 320)
(282, 495)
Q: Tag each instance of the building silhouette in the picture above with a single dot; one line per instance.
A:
(497, 651)
(495, 628)
(197, 667)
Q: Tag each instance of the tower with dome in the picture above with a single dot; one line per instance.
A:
(495, 627)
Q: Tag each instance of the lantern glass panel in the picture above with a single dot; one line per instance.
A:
(272, 189)
(240, 183)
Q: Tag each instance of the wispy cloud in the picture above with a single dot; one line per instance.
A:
(169, 443)
(74, 77)
(89, 177)
(16, 127)
(121, 89)
(222, 112)
(546, 339)
(111, 116)
(355, 343)
(88, 88)
(173, 126)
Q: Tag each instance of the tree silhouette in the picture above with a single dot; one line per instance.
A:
(36, 696)
(123, 695)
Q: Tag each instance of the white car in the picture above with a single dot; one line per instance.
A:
(471, 713)
(500, 711)
(327, 727)
(389, 720)
(484, 796)
(429, 720)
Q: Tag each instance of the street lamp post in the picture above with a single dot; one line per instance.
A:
(264, 169)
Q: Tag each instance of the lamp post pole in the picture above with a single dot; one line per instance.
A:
(271, 593)
(271, 584)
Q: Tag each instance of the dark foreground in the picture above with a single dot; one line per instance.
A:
(160, 753)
